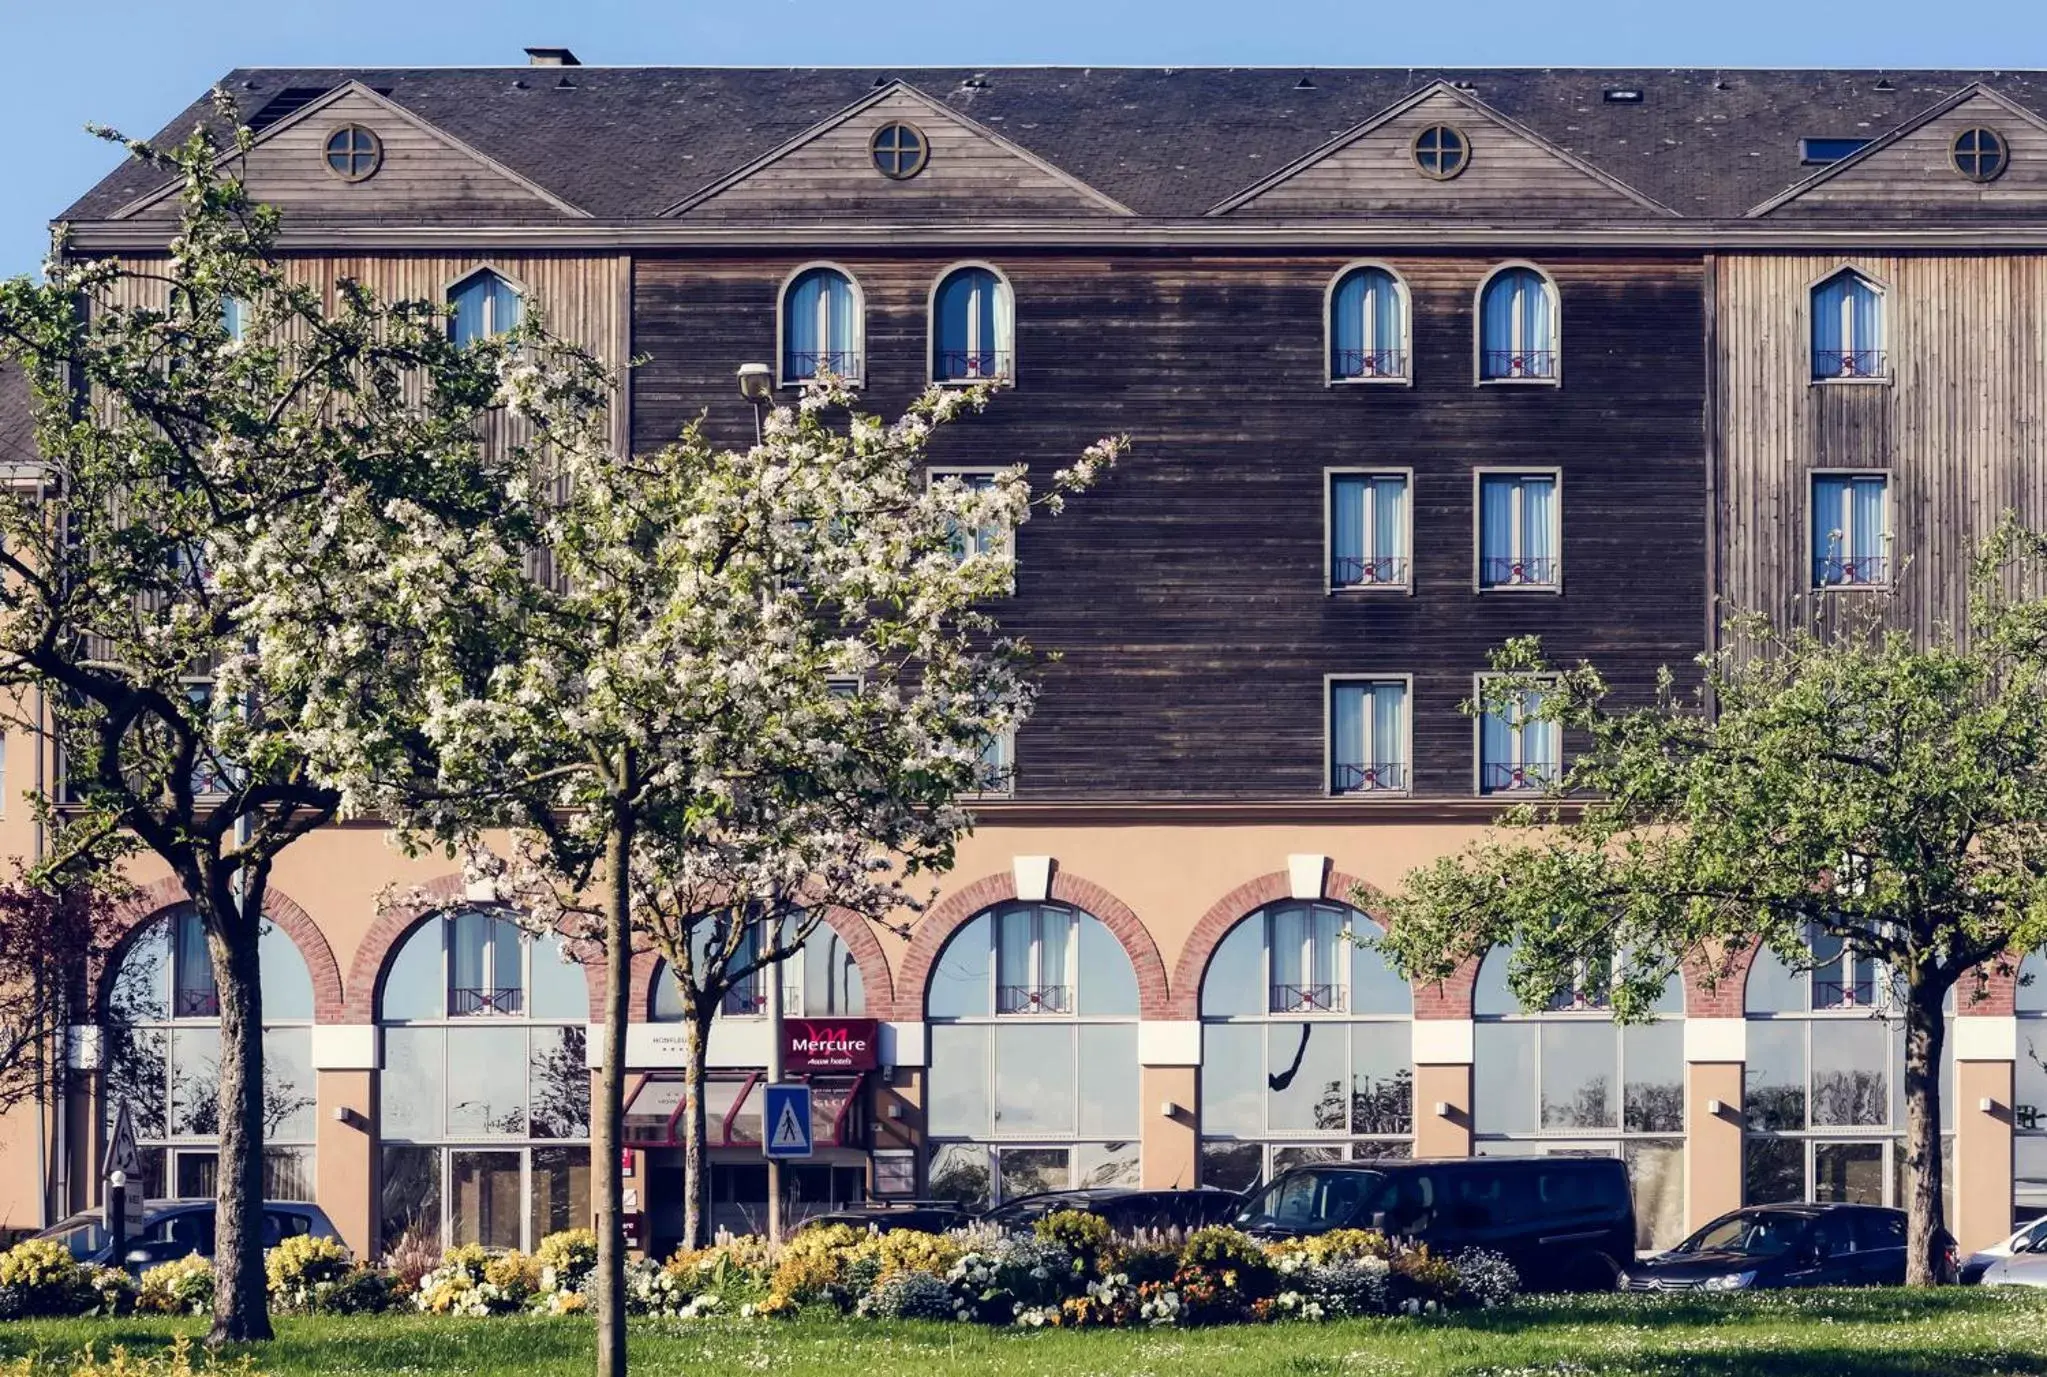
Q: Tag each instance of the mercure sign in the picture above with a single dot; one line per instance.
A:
(831, 1044)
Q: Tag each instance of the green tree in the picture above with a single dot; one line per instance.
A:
(1860, 791)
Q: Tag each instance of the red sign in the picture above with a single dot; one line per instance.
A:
(831, 1044)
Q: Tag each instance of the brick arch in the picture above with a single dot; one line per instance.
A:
(876, 980)
(157, 899)
(954, 912)
(395, 922)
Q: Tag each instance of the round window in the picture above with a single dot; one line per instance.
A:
(900, 150)
(354, 153)
(1980, 154)
(1441, 152)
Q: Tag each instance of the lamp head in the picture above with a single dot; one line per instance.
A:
(756, 382)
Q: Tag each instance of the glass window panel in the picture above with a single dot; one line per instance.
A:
(1233, 1079)
(1034, 1079)
(960, 1074)
(195, 1175)
(289, 1100)
(1653, 1058)
(1240, 1166)
(1016, 932)
(2029, 1112)
(414, 986)
(486, 1202)
(1381, 1078)
(487, 1072)
(287, 1173)
(194, 994)
(1306, 1077)
(1774, 988)
(960, 1171)
(287, 984)
(412, 1089)
(1657, 1171)
(1108, 982)
(1579, 1061)
(1304, 1155)
(664, 1001)
(508, 976)
(1773, 1079)
(1027, 1171)
(138, 1075)
(409, 1197)
(560, 988)
(2031, 993)
(561, 1190)
(195, 1082)
(1374, 986)
(1492, 994)
(1097, 1165)
(831, 977)
(1773, 1170)
(469, 964)
(560, 1087)
(720, 1099)
(1503, 1077)
(142, 990)
(2029, 1177)
(1849, 1065)
(1901, 1192)
(1234, 983)
(1848, 1173)
(1109, 1089)
(960, 983)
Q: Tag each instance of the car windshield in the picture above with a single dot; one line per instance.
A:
(1310, 1202)
(1752, 1235)
(83, 1234)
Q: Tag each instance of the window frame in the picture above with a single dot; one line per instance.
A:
(1555, 474)
(1329, 686)
(1890, 535)
(1809, 322)
(1439, 173)
(350, 176)
(1556, 312)
(1005, 349)
(1478, 742)
(1405, 585)
(1405, 377)
(463, 279)
(2002, 147)
(934, 472)
(858, 379)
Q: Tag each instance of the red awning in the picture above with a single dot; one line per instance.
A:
(654, 1110)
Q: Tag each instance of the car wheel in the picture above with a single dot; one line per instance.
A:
(1590, 1272)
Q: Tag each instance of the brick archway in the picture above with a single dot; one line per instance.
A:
(156, 900)
(1729, 997)
(876, 981)
(1451, 999)
(954, 912)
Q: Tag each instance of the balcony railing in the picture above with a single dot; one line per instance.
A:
(1307, 999)
(972, 365)
(1034, 999)
(1368, 363)
(1510, 779)
(196, 1004)
(1850, 363)
(1368, 778)
(1368, 571)
(498, 1000)
(1518, 363)
(1836, 572)
(798, 366)
(1518, 571)
(1839, 994)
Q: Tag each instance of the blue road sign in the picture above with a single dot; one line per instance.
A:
(785, 1115)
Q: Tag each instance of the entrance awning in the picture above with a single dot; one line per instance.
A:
(732, 1110)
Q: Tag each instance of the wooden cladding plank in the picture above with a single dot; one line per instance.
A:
(1915, 178)
(1185, 595)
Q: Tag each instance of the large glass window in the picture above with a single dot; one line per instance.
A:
(1569, 1080)
(1306, 1046)
(1520, 540)
(1368, 736)
(819, 980)
(1517, 327)
(1851, 530)
(485, 1096)
(163, 1059)
(1368, 327)
(1033, 1085)
(972, 327)
(2029, 1093)
(486, 304)
(1368, 530)
(1517, 751)
(1824, 1086)
(1848, 329)
(821, 326)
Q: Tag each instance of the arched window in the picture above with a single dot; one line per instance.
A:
(1368, 327)
(163, 1059)
(973, 330)
(1517, 327)
(1306, 1046)
(1824, 1087)
(821, 980)
(1032, 1019)
(486, 305)
(822, 328)
(1569, 1080)
(1848, 329)
(485, 1097)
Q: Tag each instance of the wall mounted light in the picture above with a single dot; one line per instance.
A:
(1987, 1105)
(1715, 1108)
(353, 1118)
(1442, 1109)
(1168, 1110)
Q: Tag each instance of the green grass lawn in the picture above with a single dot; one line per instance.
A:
(1954, 1333)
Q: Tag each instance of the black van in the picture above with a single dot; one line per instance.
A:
(1566, 1223)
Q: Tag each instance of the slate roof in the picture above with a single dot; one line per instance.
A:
(623, 143)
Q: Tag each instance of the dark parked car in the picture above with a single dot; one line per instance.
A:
(1124, 1208)
(1774, 1246)
(1566, 1223)
(172, 1229)
(926, 1216)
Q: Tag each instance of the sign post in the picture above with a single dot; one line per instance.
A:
(785, 1118)
(122, 1171)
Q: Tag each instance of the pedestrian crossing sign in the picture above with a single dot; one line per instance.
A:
(785, 1112)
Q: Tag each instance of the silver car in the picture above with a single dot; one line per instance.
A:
(2020, 1260)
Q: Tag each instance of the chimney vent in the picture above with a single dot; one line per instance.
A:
(552, 57)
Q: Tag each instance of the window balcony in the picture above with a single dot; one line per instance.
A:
(497, 1000)
(1840, 994)
(1307, 999)
(1354, 571)
(1518, 571)
(1371, 777)
(801, 367)
(196, 1003)
(1034, 999)
(1515, 779)
(1349, 365)
(972, 365)
(1536, 364)
(1869, 571)
(1850, 363)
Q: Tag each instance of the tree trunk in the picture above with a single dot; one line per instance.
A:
(1926, 1235)
(696, 1155)
(241, 1310)
(608, 1187)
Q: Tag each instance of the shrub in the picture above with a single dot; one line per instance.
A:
(1334, 1246)
(912, 1250)
(470, 1281)
(1084, 1235)
(1015, 1277)
(910, 1295)
(566, 1259)
(651, 1289)
(107, 1291)
(180, 1287)
(734, 1266)
(1421, 1280)
(45, 1277)
(411, 1258)
(813, 1264)
(1485, 1279)
(361, 1291)
(302, 1269)
(120, 1363)
(1143, 1262)
(1218, 1248)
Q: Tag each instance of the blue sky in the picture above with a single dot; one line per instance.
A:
(134, 63)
